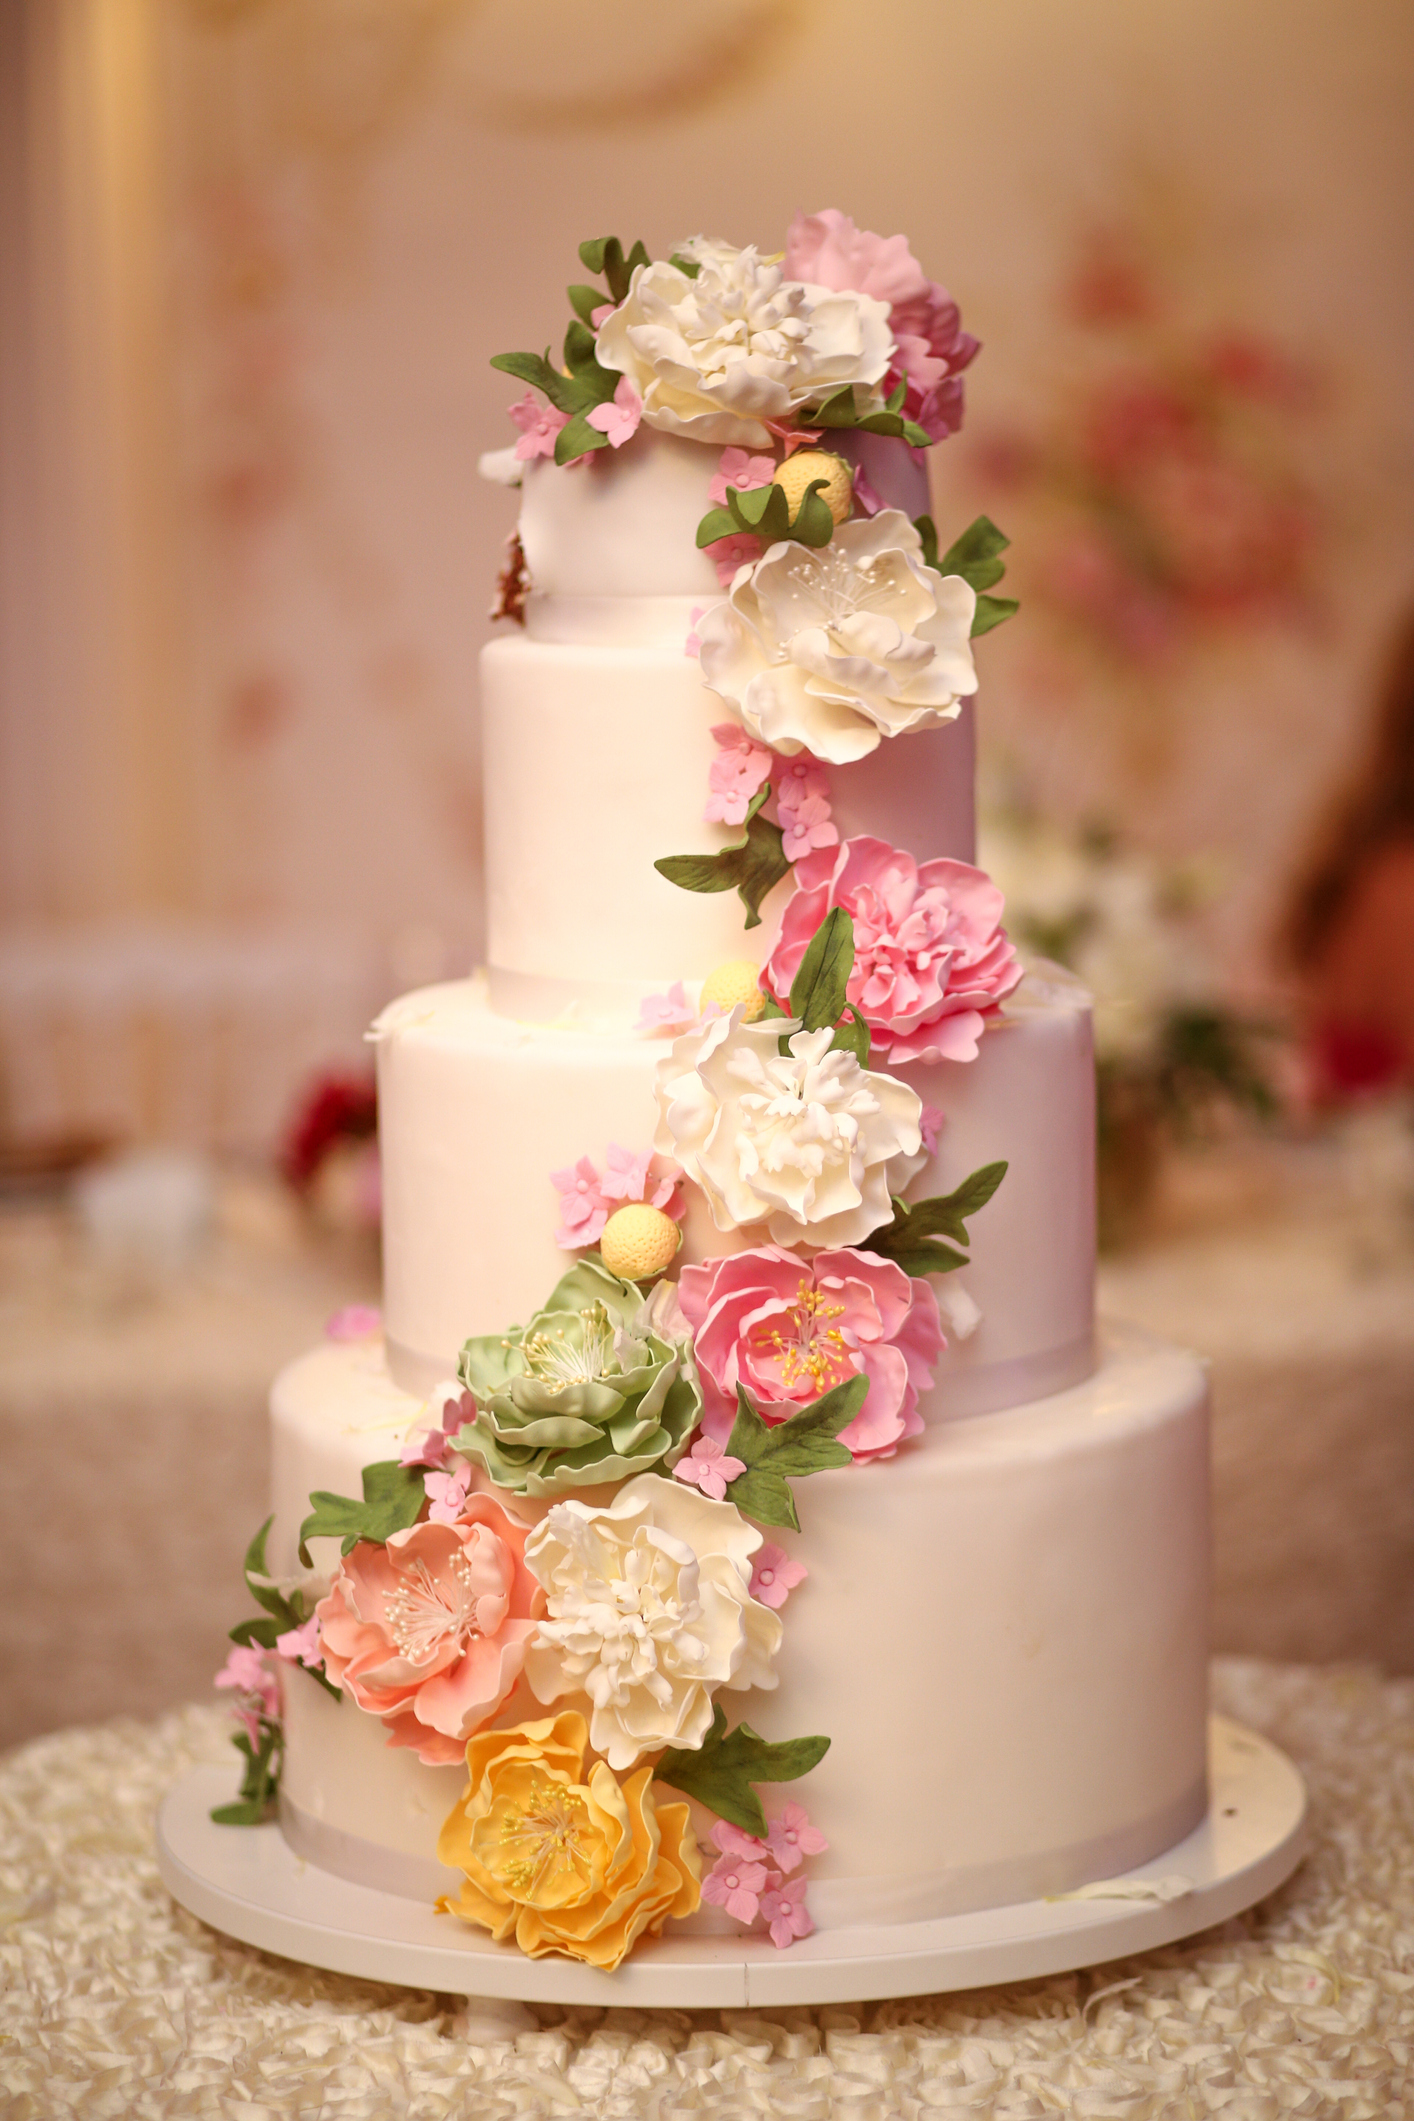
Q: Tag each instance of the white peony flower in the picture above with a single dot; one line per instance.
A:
(810, 1143)
(650, 1613)
(829, 650)
(715, 358)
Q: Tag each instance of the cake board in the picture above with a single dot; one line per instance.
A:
(248, 1883)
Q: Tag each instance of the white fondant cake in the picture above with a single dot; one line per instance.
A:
(738, 1428)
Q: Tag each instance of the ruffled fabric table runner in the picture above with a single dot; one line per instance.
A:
(117, 2003)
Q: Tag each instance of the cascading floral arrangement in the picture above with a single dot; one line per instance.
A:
(579, 1517)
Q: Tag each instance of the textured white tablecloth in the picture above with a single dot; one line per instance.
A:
(114, 2003)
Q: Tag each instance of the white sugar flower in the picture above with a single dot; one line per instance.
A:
(807, 1142)
(829, 650)
(716, 357)
(650, 1612)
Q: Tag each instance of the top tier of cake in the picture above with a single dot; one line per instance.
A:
(596, 738)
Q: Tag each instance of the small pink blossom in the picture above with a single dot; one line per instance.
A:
(932, 961)
(447, 1491)
(802, 788)
(931, 1122)
(792, 1838)
(787, 1916)
(734, 1841)
(354, 1322)
(692, 646)
(429, 1447)
(246, 1674)
(867, 497)
(589, 1196)
(739, 771)
(708, 1466)
(737, 1886)
(584, 1206)
(600, 316)
(539, 426)
(740, 472)
(793, 438)
(666, 1012)
(301, 1645)
(740, 548)
(774, 1576)
(619, 418)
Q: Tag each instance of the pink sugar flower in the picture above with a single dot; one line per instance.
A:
(787, 1916)
(301, 1645)
(738, 470)
(429, 1632)
(802, 788)
(790, 1329)
(247, 1675)
(867, 498)
(447, 1491)
(647, 1177)
(584, 1205)
(692, 646)
(931, 959)
(774, 1576)
(792, 1838)
(354, 1322)
(539, 425)
(740, 548)
(619, 418)
(600, 316)
(429, 1447)
(740, 769)
(709, 1466)
(931, 348)
(736, 1885)
(672, 1011)
(734, 1841)
(931, 1122)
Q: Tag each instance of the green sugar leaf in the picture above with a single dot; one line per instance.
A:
(928, 531)
(763, 510)
(776, 1453)
(818, 991)
(976, 555)
(584, 301)
(839, 410)
(717, 523)
(991, 611)
(852, 1036)
(812, 523)
(721, 1771)
(750, 866)
(393, 1496)
(259, 1782)
(576, 438)
(914, 1238)
(688, 267)
(565, 393)
(579, 352)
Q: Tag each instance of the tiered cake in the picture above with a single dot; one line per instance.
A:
(825, 1205)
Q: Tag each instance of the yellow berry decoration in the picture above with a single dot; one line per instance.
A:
(799, 470)
(736, 981)
(639, 1242)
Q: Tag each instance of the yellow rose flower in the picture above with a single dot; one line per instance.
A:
(572, 1865)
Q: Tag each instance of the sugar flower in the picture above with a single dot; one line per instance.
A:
(246, 1674)
(429, 1631)
(802, 788)
(738, 771)
(447, 1491)
(301, 1645)
(749, 1878)
(649, 1613)
(740, 472)
(599, 1384)
(354, 1322)
(931, 959)
(785, 1912)
(619, 418)
(792, 1838)
(790, 1329)
(930, 347)
(430, 1446)
(931, 1121)
(774, 1576)
(539, 425)
(589, 1196)
(672, 1011)
(830, 650)
(736, 1884)
(718, 357)
(807, 1142)
(709, 1466)
(562, 1860)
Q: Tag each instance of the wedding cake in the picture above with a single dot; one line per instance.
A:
(736, 1520)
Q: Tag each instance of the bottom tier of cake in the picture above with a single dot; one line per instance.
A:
(1003, 1633)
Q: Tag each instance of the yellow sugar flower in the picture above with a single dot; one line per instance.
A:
(568, 1863)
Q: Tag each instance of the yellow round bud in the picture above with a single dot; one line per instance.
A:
(806, 465)
(736, 981)
(639, 1241)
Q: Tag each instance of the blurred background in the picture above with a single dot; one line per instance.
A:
(254, 258)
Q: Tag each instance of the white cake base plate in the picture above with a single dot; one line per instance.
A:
(247, 1882)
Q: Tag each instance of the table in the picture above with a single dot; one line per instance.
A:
(115, 2003)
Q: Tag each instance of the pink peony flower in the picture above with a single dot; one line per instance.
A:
(735, 775)
(787, 1916)
(774, 1575)
(802, 787)
(792, 1838)
(354, 1322)
(931, 958)
(931, 348)
(790, 1329)
(429, 1631)
(737, 1886)
(619, 418)
(672, 1011)
(301, 1645)
(447, 1491)
(589, 1196)
(246, 1674)
(708, 1466)
(539, 425)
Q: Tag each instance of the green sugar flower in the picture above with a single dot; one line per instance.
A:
(601, 1384)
